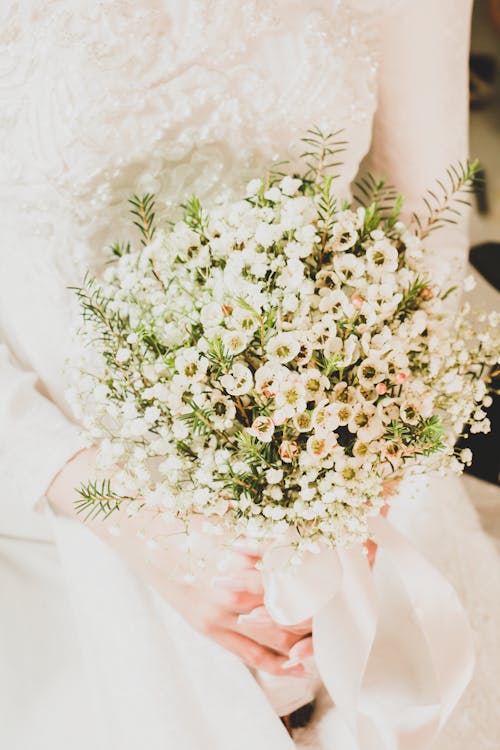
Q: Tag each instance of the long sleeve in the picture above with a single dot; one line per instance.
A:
(36, 439)
(421, 123)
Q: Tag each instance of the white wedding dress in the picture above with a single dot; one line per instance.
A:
(100, 99)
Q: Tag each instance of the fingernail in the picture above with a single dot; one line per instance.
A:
(301, 650)
(256, 617)
(290, 663)
(293, 670)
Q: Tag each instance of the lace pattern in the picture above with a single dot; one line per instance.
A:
(169, 97)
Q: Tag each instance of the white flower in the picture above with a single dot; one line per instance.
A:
(348, 267)
(382, 257)
(343, 412)
(319, 445)
(314, 382)
(274, 476)
(189, 363)
(366, 423)
(211, 315)
(288, 450)
(292, 393)
(273, 194)
(276, 512)
(371, 371)
(123, 355)
(294, 249)
(344, 235)
(239, 381)
(151, 414)
(253, 188)
(267, 234)
(223, 411)
(303, 421)
(345, 351)
(466, 456)
(234, 341)
(289, 185)
(262, 428)
(284, 347)
(324, 418)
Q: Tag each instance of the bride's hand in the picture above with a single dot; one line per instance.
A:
(217, 602)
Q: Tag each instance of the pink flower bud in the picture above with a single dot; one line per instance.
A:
(288, 450)
(381, 388)
(400, 377)
(268, 393)
(357, 302)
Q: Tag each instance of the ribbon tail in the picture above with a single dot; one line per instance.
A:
(343, 633)
(439, 614)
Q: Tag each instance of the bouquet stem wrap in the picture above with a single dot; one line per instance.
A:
(337, 589)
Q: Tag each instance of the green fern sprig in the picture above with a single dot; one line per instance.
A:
(371, 190)
(274, 174)
(120, 248)
(95, 307)
(381, 201)
(327, 209)
(143, 208)
(98, 499)
(252, 451)
(423, 438)
(321, 153)
(443, 204)
(220, 361)
(412, 298)
(195, 216)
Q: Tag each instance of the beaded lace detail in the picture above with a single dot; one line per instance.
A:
(103, 99)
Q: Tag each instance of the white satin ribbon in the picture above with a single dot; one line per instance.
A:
(337, 589)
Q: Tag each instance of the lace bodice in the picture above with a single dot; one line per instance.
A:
(104, 99)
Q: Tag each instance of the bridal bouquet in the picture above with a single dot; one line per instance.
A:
(275, 360)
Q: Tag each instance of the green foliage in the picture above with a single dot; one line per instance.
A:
(194, 216)
(329, 365)
(274, 174)
(120, 248)
(327, 209)
(321, 153)
(98, 499)
(220, 361)
(253, 451)
(199, 420)
(441, 204)
(143, 208)
(412, 298)
(95, 308)
(381, 201)
(423, 438)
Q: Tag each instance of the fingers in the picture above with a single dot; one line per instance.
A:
(256, 655)
(248, 580)
(303, 649)
(260, 616)
(267, 633)
(241, 592)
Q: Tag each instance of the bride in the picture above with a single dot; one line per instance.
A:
(103, 645)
